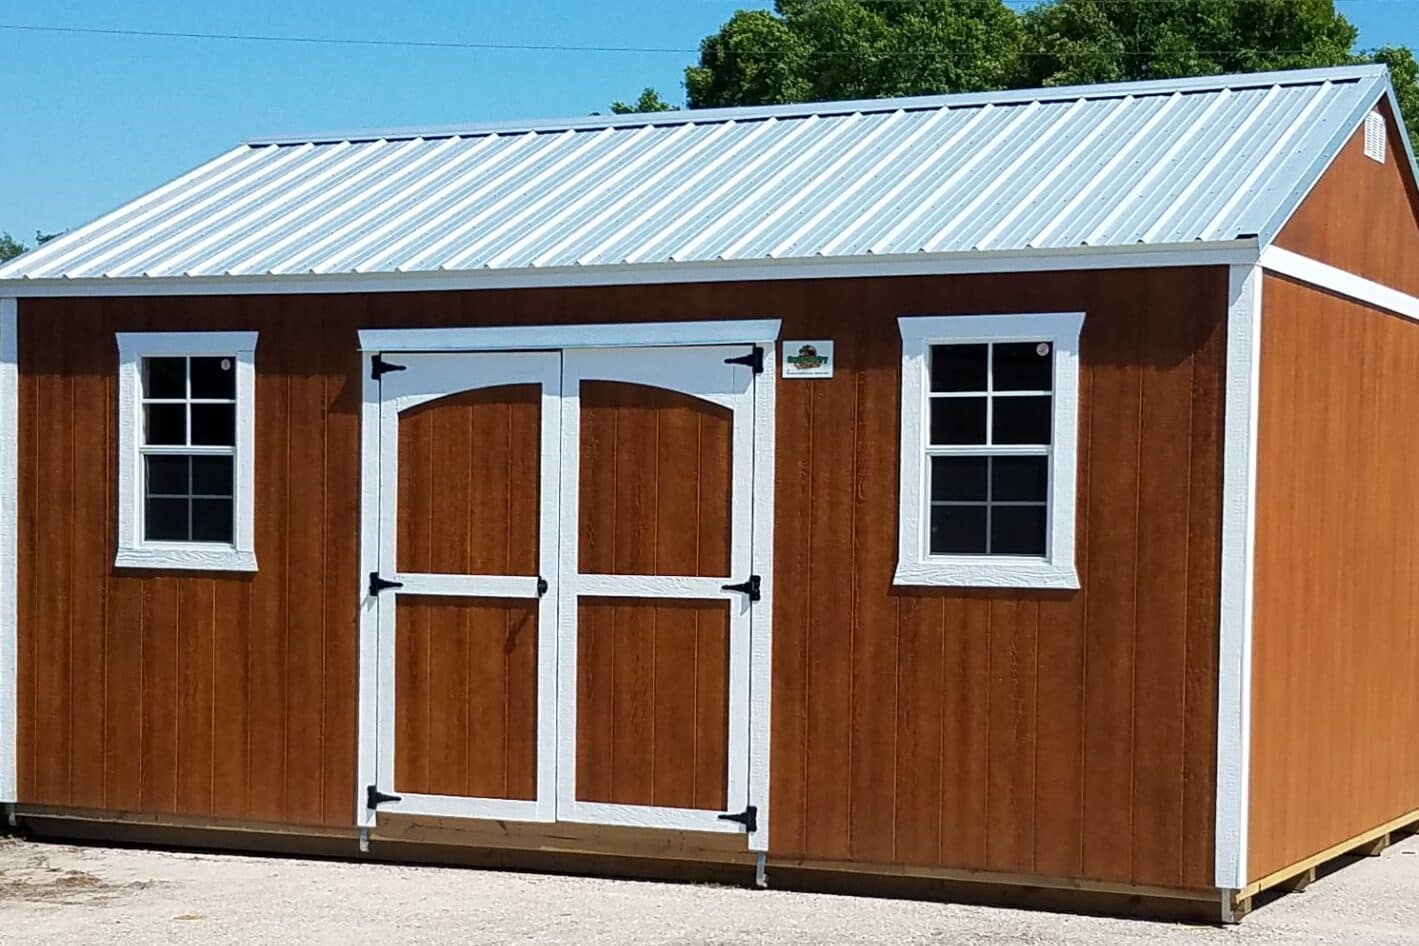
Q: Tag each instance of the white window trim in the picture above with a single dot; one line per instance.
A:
(133, 551)
(1056, 569)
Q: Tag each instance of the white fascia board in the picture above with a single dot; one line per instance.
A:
(1239, 448)
(1313, 272)
(9, 537)
(1218, 253)
(521, 337)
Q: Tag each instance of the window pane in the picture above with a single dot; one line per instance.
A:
(166, 424)
(214, 424)
(166, 520)
(1017, 530)
(212, 520)
(212, 476)
(1019, 479)
(958, 367)
(167, 475)
(214, 377)
(165, 377)
(958, 478)
(957, 530)
(1024, 366)
(957, 420)
(1021, 420)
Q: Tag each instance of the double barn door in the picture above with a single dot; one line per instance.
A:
(564, 586)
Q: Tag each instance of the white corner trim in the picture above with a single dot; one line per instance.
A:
(618, 335)
(1239, 445)
(914, 565)
(9, 538)
(133, 551)
(1324, 276)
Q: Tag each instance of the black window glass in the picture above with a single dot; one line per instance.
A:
(165, 378)
(167, 476)
(1019, 479)
(1023, 366)
(1021, 420)
(958, 478)
(165, 424)
(957, 530)
(212, 476)
(214, 425)
(214, 378)
(957, 420)
(212, 520)
(1017, 530)
(958, 367)
(166, 520)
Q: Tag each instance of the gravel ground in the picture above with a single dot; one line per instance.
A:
(56, 894)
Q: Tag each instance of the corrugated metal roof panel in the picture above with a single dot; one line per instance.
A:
(1137, 163)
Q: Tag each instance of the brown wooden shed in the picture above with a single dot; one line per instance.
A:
(1005, 494)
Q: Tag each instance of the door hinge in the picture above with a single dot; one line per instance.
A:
(755, 359)
(750, 587)
(374, 797)
(541, 586)
(749, 818)
(379, 367)
(378, 584)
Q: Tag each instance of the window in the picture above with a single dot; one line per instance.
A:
(988, 443)
(186, 410)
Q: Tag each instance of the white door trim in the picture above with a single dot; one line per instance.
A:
(9, 537)
(1239, 445)
(615, 335)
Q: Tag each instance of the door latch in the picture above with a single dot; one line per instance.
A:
(378, 584)
(749, 818)
(750, 587)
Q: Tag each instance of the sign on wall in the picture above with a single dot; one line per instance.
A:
(810, 359)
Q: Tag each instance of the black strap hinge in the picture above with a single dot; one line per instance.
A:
(755, 359)
(374, 797)
(378, 584)
(541, 586)
(749, 818)
(379, 367)
(750, 587)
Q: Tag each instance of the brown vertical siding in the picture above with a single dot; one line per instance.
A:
(1336, 633)
(1361, 215)
(1059, 732)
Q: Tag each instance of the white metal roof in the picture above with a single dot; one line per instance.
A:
(1165, 163)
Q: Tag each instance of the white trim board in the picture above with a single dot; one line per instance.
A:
(1313, 272)
(1220, 253)
(1239, 444)
(9, 536)
(617, 335)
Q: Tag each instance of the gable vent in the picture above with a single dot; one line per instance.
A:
(1375, 136)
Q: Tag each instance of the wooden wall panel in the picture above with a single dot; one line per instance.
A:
(1363, 216)
(1058, 732)
(1336, 626)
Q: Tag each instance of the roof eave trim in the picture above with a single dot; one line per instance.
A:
(1215, 253)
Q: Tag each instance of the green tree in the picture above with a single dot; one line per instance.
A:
(9, 247)
(648, 101)
(818, 50)
(1404, 73)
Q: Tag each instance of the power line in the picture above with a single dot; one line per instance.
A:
(337, 41)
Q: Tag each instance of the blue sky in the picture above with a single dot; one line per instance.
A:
(88, 122)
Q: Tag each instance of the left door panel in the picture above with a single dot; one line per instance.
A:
(468, 504)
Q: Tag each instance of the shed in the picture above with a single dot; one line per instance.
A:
(1001, 493)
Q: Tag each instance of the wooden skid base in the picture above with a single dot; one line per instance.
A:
(1297, 877)
(623, 852)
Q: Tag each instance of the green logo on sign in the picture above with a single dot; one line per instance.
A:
(807, 359)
